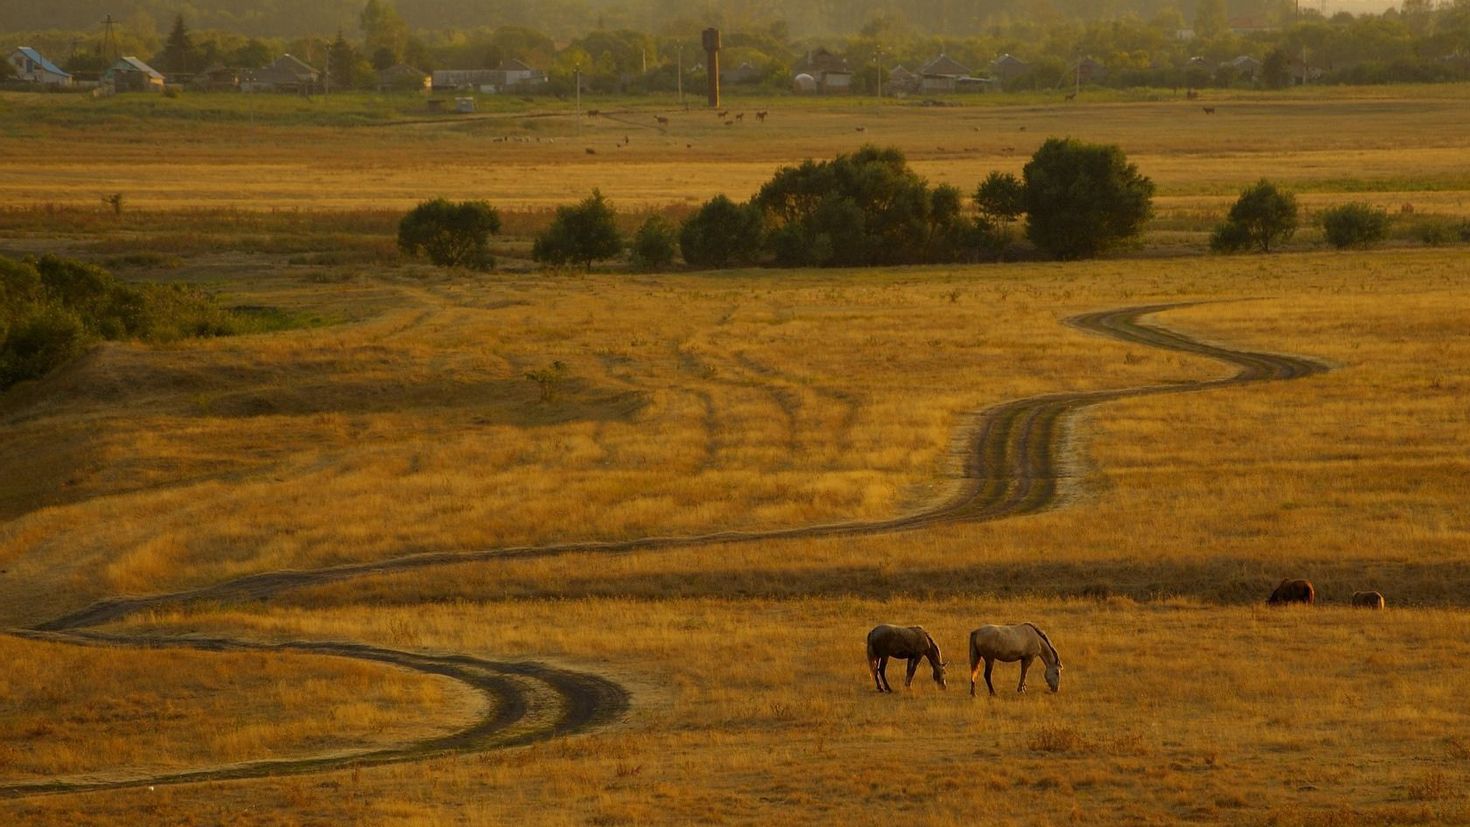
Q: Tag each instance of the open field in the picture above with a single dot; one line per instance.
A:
(397, 420)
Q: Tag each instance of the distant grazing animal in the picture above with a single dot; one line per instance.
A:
(723, 114)
(761, 116)
(729, 123)
(662, 121)
(1023, 642)
(592, 113)
(1407, 209)
(1209, 110)
(1191, 95)
(862, 129)
(1293, 591)
(911, 643)
(591, 151)
(1368, 600)
(1071, 96)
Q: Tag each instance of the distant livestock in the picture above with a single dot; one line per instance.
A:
(910, 643)
(1023, 642)
(1293, 591)
(1209, 110)
(1368, 600)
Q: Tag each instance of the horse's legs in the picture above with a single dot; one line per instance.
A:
(974, 671)
(989, 665)
(883, 673)
(1025, 664)
(873, 670)
(913, 667)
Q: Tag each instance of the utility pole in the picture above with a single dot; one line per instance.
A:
(577, 79)
(679, 75)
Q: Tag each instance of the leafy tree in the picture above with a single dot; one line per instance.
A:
(580, 234)
(385, 34)
(861, 209)
(1276, 70)
(450, 234)
(1354, 225)
(1082, 199)
(722, 233)
(1001, 197)
(342, 63)
(1263, 216)
(654, 244)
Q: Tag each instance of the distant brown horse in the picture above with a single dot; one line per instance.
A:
(1023, 642)
(1293, 591)
(1368, 600)
(911, 643)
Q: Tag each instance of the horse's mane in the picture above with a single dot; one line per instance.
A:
(1047, 641)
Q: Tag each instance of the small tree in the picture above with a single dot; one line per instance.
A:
(1262, 217)
(450, 234)
(580, 234)
(1083, 198)
(654, 244)
(1354, 225)
(722, 233)
(1001, 198)
(1276, 70)
(179, 53)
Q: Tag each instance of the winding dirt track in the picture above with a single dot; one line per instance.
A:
(1007, 466)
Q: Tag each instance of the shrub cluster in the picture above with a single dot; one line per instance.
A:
(1354, 225)
(52, 309)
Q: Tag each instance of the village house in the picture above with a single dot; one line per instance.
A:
(510, 75)
(901, 81)
(942, 74)
(32, 67)
(285, 74)
(129, 74)
(1088, 70)
(822, 72)
(217, 78)
(1245, 66)
(403, 78)
(1008, 67)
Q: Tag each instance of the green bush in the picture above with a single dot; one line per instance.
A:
(1354, 225)
(52, 308)
(1262, 217)
(450, 234)
(722, 233)
(1082, 199)
(654, 244)
(580, 234)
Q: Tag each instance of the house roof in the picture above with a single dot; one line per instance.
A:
(403, 70)
(132, 64)
(513, 65)
(1008, 60)
(822, 61)
(293, 65)
(944, 65)
(40, 60)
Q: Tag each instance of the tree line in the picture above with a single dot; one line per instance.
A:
(1138, 43)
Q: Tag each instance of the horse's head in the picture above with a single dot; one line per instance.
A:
(939, 672)
(1054, 676)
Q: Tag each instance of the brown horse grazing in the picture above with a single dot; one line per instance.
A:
(1008, 644)
(1368, 600)
(1293, 591)
(908, 642)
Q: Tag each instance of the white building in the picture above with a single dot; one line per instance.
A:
(33, 67)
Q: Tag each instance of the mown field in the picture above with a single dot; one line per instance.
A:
(399, 420)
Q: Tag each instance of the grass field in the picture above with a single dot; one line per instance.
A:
(401, 422)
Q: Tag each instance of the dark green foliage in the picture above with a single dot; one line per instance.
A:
(580, 234)
(1354, 225)
(1001, 197)
(722, 233)
(1082, 199)
(1262, 217)
(52, 309)
(1276, 70)
(867, 208)
(654, 244)
(450, 234)
(179, 53)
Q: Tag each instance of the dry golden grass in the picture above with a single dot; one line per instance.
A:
(765, 399)
(112, 713)
(757, 710)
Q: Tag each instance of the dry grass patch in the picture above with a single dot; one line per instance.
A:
(117, 712)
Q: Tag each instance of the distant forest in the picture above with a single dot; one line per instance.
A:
(565, 19)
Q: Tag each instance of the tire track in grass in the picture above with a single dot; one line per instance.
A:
(1007, 466)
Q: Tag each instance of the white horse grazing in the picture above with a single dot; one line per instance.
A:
(1022, 642)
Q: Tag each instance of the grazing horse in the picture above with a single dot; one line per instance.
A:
(1008, 644)
(1293, 591)
(1368, 600)
(908, 642)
